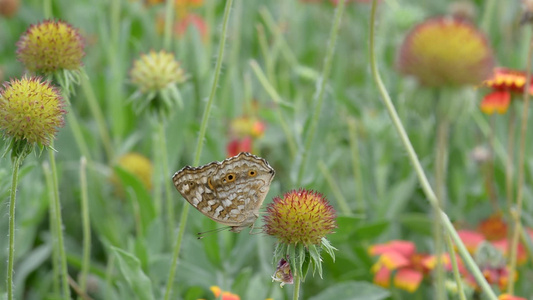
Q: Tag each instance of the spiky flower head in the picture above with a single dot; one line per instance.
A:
(156, 74)
(300, 217)
(300, 221)
(31, 111)
(446, 51)
(50, 46)
(156, 71)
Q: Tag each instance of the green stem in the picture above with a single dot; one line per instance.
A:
(98, 116)
(76, 131)
(426, 187)
(297, 282)
(455, 268)
(521, 174)
(440, 184)
(58, 225)
(328, 61)
(277, 99)
(47, 9)
(86, 255)
(356, 165)
(343, 204)
(164, 165)
(51, 213)
(17, 161)
(199, 146)
(169, 20)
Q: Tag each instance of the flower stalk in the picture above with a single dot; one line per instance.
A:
(199, 146)
(428, 191)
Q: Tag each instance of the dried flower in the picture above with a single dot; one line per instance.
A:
(446, 51)
(283, 273)
(31, 111)
(50, 46)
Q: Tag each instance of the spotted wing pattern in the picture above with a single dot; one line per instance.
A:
(229, 192)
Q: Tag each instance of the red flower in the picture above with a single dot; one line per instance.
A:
(504, 82)
(237, 146)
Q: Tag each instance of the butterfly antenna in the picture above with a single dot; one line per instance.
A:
(202, 234)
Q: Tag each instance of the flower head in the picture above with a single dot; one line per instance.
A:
(156, 71)
(246, 126)
(446, 51)
(493, 228)
(300, 221)
(50, 46)
(139, 166)
(8, 8)
(503, 82)
(300, 217)
(31, 110)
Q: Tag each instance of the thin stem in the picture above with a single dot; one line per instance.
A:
(343, 204)
(86, 256)
(47, 9)
(164, 164)
(297, 282)
(356, 165)
(98, 116)
(455, 268)
(17, 161)
(199, 146)
(59, 225)
(441, 153)
(521, 173)
(293, 148)
(428, 191)
(169, 20)
(51, 213)
(328, 62)
(76, 131)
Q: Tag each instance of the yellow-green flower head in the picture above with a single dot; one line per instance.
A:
(300, 217)
(446, 51)
(138, 165)
(30, 110)
(156, 71)
(50, 46)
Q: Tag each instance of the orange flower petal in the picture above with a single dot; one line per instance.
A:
(382, 277)
(494, 227)
(507, 79)
(408, 279)
(503, 246)
(394, 260)
(496, 102)
(215, 290)
(230, 296)
(510, 297)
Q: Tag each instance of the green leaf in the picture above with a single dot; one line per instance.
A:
(142, 197)
(316, 260)
(417, 222)
(353, 290)
(326, 246)
(371, 230)
(130, 268)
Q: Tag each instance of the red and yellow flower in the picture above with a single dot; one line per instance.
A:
(504, 83)
(400, 257)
